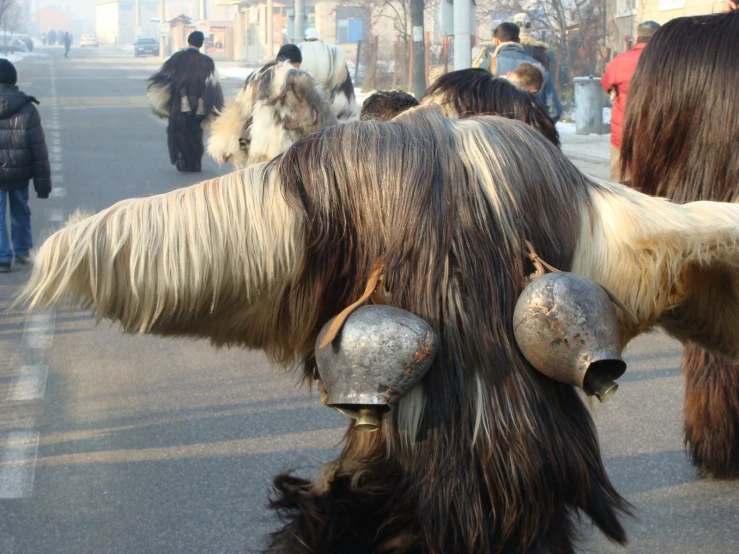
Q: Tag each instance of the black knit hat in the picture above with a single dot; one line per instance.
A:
(290, 52)
(8, 74)
(196, 39)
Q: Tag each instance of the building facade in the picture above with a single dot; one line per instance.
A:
(115, 21)
(624, 16)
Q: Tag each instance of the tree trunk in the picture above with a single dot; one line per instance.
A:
(371, 75)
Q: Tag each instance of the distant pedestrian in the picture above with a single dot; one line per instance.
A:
(509, 53)
(187, 92)
(67, 44)
(616, 81)
(23, 157)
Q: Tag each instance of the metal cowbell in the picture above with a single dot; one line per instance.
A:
(378, 356)
(567, 328)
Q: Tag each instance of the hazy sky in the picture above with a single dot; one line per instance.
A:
(82, 8)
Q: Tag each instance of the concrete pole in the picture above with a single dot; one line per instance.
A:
(462, 40)
(202, 14)
(136, 18)
(270, 37)
(299, 16)
(419, 53)
(162, 39)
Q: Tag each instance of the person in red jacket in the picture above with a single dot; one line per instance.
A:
(615, 81)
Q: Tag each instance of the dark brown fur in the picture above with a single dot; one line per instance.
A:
(450, 260)
(680, 141)
(477, 92)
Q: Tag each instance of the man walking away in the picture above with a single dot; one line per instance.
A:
(23, 156)
(509, 53)
(187, 92)
(616, 81)
(67, 44)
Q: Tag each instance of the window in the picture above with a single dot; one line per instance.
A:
(626, 8)
(665, 5)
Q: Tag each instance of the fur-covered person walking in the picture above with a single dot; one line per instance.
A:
(187, 92)
(23, 157)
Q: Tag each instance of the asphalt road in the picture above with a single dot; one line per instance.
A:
(112, 444)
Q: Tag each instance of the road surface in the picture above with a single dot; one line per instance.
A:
(112, 444)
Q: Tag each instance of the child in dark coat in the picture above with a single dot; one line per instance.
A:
(23, 157)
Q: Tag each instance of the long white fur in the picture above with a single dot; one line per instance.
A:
(221, 251)
(158, 99)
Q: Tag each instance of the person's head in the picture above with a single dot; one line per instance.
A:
(522, 20)
(645, 31)
(291, 53)
(384, 105)
(680, 130)
(311, 34)
(8, 74)
(527, 76)
(469, 92)
(506, 32)
(196, 39)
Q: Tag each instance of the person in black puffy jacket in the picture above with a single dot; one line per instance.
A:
(23, 157)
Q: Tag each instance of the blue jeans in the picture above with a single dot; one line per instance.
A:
(20, 224)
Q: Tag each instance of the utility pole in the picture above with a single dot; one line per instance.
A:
(136, 18)
(270, 34)
(298, 26)
(462, 40)
(419, 50)
(162, 37)
(202, 14)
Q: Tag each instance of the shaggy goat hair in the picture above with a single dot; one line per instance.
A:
(189, 74)
(276, 106)
(476, 92)
(680, 141)
(325, 63)
(485, 455)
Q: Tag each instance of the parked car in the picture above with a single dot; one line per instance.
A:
(146, 46)
(89, 40)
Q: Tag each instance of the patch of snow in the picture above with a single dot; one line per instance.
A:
(14, 58)
(566, 128)
(240, 73)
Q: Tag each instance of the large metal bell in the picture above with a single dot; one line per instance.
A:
(567, 328)
(379, 355)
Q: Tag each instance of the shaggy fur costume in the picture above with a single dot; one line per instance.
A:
(276, 106)
(680, 142)
(325, 63)
(189, 75)
(485, 455)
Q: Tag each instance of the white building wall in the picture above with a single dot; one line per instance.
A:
(106, 23)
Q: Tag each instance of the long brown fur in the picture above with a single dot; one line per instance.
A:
(680, 141)
(485, 455)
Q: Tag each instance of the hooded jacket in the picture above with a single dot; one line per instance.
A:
(508, 55)
(23, 154)
(617, 78)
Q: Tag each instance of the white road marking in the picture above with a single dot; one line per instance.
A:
(57, 178)
(18, 463)
(58, 192)
(56, 157)
(57, 167)
(29, 385)
(39, 330)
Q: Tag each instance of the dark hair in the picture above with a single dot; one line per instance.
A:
(8, 74)
(507, 32)
(196, 39)
(475, 91)
(384, 105)
(291, 53)
(681, 129)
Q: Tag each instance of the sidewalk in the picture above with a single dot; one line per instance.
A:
(590, 153)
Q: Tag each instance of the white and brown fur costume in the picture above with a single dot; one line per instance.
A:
(325, 63)
(191, 75)
(276, 106)
(485, 455)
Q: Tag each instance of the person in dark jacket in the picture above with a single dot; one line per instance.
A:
(187, 92)
(509, 53)
(67, 44)
(23, 157)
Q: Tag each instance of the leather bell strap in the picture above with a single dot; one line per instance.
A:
(541, 268)
(374, 291)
